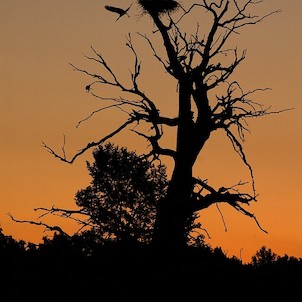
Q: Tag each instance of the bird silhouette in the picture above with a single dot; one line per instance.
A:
(118, 10)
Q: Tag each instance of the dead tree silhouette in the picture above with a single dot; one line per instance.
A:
(196, 61)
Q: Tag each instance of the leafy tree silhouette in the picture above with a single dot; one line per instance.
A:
(121, 202)
(123, 196)
(277, 276)
(265, 256)
(10, 247)
(202, 63)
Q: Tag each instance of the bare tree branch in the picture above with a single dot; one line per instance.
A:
(40, 223)
(89, 145)
(222, 195)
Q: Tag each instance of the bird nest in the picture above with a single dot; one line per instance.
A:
(158, 6)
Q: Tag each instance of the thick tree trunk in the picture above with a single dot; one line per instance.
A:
(174, 209)
(173, 213)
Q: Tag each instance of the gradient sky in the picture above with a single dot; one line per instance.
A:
(43, 99)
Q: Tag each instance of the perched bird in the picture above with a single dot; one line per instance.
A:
(118, 10)
(88, 88)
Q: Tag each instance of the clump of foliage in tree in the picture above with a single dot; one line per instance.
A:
(158, 6)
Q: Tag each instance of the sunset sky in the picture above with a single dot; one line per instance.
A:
(43, 99)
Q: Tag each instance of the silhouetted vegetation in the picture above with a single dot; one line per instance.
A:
(60, 268)
(135, 239)
(121, 202)
(201, 60)
(112, 257)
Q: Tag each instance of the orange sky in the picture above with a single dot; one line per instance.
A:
(42, 99)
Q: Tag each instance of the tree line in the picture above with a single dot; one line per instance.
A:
(67, 267)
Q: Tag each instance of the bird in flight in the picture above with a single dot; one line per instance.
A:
(118, 10)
